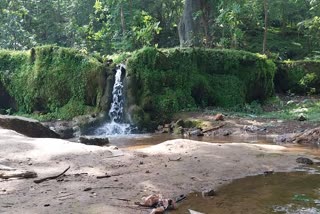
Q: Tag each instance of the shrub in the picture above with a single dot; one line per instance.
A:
(50, 79)
(301, 77)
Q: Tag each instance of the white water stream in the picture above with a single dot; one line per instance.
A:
(116, 126)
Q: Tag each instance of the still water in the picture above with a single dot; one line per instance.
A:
(280, 193)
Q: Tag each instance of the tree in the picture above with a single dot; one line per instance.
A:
(264, 44)
(194, 26)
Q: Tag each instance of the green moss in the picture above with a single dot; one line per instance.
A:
(52, 79)
(169, 80)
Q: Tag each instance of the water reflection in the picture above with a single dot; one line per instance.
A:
(285, 193)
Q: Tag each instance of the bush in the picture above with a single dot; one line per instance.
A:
(300, 77)
(50, 79)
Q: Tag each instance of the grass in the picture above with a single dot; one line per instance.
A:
(282, 110)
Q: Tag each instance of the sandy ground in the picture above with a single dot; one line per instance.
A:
(134, 173)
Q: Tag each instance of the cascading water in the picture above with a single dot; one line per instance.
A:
(116, 126)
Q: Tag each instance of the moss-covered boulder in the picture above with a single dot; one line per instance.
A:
(59, 82)
(301, 77)
(164, 81)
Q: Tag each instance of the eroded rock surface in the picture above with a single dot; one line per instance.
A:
(28, 127)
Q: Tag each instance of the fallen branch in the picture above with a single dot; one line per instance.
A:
(103, 176)
(122, 199)
(214, 128)
(51, 177)
(108, 176)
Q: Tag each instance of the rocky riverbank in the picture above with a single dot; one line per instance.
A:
(108, 180)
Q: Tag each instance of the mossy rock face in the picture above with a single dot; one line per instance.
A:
(6, 101)
(59, 81)
(168, 80)
(138, 117)
(300, 77)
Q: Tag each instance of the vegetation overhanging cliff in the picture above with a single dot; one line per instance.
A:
(61, 83)
(163, 81)
(58, 82)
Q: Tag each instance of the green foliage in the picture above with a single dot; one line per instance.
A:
(301, 77)
(169, 80)
(311, 29)
(52, 80)
(309, 108)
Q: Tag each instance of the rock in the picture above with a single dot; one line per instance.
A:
(304, 160)
(166, 130)
(194, 212)
(290, 102)
(218, 117)
(310, 137)
(26, 126)
(94, 140)
(160, 128)
(301, 117)
(208, 193)
(180, 122)
(251, 128)
(268, 172)
(227, 133)
(64, 132)
(197, 132)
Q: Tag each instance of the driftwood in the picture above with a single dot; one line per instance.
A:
(51, 177)
(18, 174)
(103, 176)
(214, 128)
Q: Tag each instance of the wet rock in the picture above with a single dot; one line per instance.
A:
(227, 133)
(197, 132)
(218, 117)
(304, 160)
(310, 137)
(94, 140)
(208, 193)
(251, 128)
(286, 138)
(26, 126)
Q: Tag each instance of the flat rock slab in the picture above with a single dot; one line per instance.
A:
(26, 126)
(97, 141)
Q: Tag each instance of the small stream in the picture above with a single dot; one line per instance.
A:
(136, 141)
(280, 193)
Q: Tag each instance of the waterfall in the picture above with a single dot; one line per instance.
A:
(116, 126)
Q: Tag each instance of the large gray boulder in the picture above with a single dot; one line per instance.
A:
(26, 126)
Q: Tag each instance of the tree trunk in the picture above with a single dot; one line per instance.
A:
(123, 23)
(264, 45)
(189, 24)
